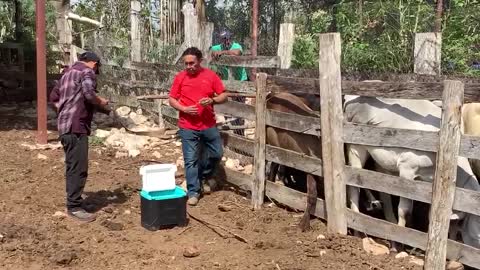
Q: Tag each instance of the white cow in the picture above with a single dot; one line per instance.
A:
(410, 164)
(471, 126)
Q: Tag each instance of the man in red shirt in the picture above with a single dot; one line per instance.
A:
(193, 93)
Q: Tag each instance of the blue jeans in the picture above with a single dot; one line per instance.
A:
(202, 151)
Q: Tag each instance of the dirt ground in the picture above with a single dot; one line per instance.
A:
(35, 235)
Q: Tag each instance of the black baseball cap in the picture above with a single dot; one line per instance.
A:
(89, 56)
(225, 34)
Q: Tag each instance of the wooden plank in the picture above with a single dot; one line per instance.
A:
(247, 61)
(402, 89)
(238, 142)
(258, 187)
(390, 137)
(240, 180)
(292, 198)
(278, 155)
(294, 122)
(380, 228)
(239, 86)
(332, 131)
(465, 200)
(236, 109)
(415, 139)
(294, 159)
(445, 176)
(285, 44)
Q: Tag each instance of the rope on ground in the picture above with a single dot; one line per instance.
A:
(216, 228)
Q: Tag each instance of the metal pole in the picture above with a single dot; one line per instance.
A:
(41, 72)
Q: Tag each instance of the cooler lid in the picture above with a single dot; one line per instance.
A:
(176, 193)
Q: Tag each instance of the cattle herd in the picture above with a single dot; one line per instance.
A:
(422, 115)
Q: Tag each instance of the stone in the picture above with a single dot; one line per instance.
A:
(139, 111)
(248, 169)
(120, 154)
(42, 157)
(417, 261)
(133, 153)
(64, 257)
(123, 111)
(224, 208)
(178, 143)
(401, 255)
(112, 226)
(138, 119)
(321, 237)
(370, 246)
(127, 212)
(191, 252)
(180, 162)
(100, 133)
(1, 238)
(157, 155)
(232, 164)
(323, 252)
(59, 214)
(451, 265)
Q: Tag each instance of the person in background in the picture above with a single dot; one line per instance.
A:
(230, 47)
(193, 93)
(76, 100)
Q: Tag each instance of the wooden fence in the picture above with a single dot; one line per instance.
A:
(334, 132)
(448, 143)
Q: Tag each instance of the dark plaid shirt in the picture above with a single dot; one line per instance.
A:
(74, 96)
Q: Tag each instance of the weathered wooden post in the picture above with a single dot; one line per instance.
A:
(332, 132)
(428, 53)
(285, 44)
(136, 40)
(258, 185)
(445, 176)
(64, 29)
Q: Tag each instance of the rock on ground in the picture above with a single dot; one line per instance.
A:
(191, 252)
(372, 247)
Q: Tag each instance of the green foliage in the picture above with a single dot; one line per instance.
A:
(381, 38)
(95, 141)
(305, 51)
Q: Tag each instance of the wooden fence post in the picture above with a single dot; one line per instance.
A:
(285, 44)
(445, 176)
(136, 40)
(428, 53)
(258, 185)
(332, 132)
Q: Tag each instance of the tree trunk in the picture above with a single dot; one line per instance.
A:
(438, 17)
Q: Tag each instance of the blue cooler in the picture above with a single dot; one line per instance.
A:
(163, 209)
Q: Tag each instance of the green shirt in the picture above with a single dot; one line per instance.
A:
(239, 73)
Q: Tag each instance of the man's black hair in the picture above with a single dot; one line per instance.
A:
(193, 51)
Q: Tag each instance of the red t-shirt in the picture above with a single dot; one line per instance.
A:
(188, 90)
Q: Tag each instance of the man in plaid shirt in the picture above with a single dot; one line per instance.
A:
(75, 99)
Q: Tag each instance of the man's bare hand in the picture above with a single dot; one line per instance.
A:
(216, 54)
(103, 101)
(192, 110)
(206, 101)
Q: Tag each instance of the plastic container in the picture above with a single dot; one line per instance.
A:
(163, 209)
(158, 177)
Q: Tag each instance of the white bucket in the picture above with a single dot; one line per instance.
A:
(158, 177)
